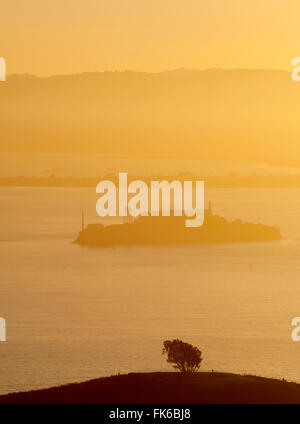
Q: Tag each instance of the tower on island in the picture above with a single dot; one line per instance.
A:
(82, 220)
(209, 210)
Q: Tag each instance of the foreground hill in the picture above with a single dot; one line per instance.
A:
(163, 387)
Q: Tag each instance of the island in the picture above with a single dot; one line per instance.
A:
(171, 230)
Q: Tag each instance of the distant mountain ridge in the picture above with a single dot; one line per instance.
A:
(216, 114)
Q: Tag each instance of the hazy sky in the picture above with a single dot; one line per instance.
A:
(68, 36)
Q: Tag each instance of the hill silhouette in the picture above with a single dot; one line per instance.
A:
(228, 115)
(166, 387)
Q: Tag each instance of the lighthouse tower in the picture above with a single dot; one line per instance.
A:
(82, 220)
(209, 210)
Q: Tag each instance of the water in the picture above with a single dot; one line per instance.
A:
(75, 313)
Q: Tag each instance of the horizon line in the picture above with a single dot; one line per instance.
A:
(166, 71)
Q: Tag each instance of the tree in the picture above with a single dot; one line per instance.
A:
(184, 356)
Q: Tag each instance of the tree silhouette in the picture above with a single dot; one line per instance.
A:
(184, 356)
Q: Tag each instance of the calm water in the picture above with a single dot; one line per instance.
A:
(75, 313)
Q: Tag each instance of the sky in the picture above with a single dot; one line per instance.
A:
(72, 36)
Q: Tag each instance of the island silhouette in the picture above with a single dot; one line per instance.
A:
(171, 230)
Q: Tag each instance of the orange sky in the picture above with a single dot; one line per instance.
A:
(68, 36)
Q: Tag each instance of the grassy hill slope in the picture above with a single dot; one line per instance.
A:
(163, 387)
